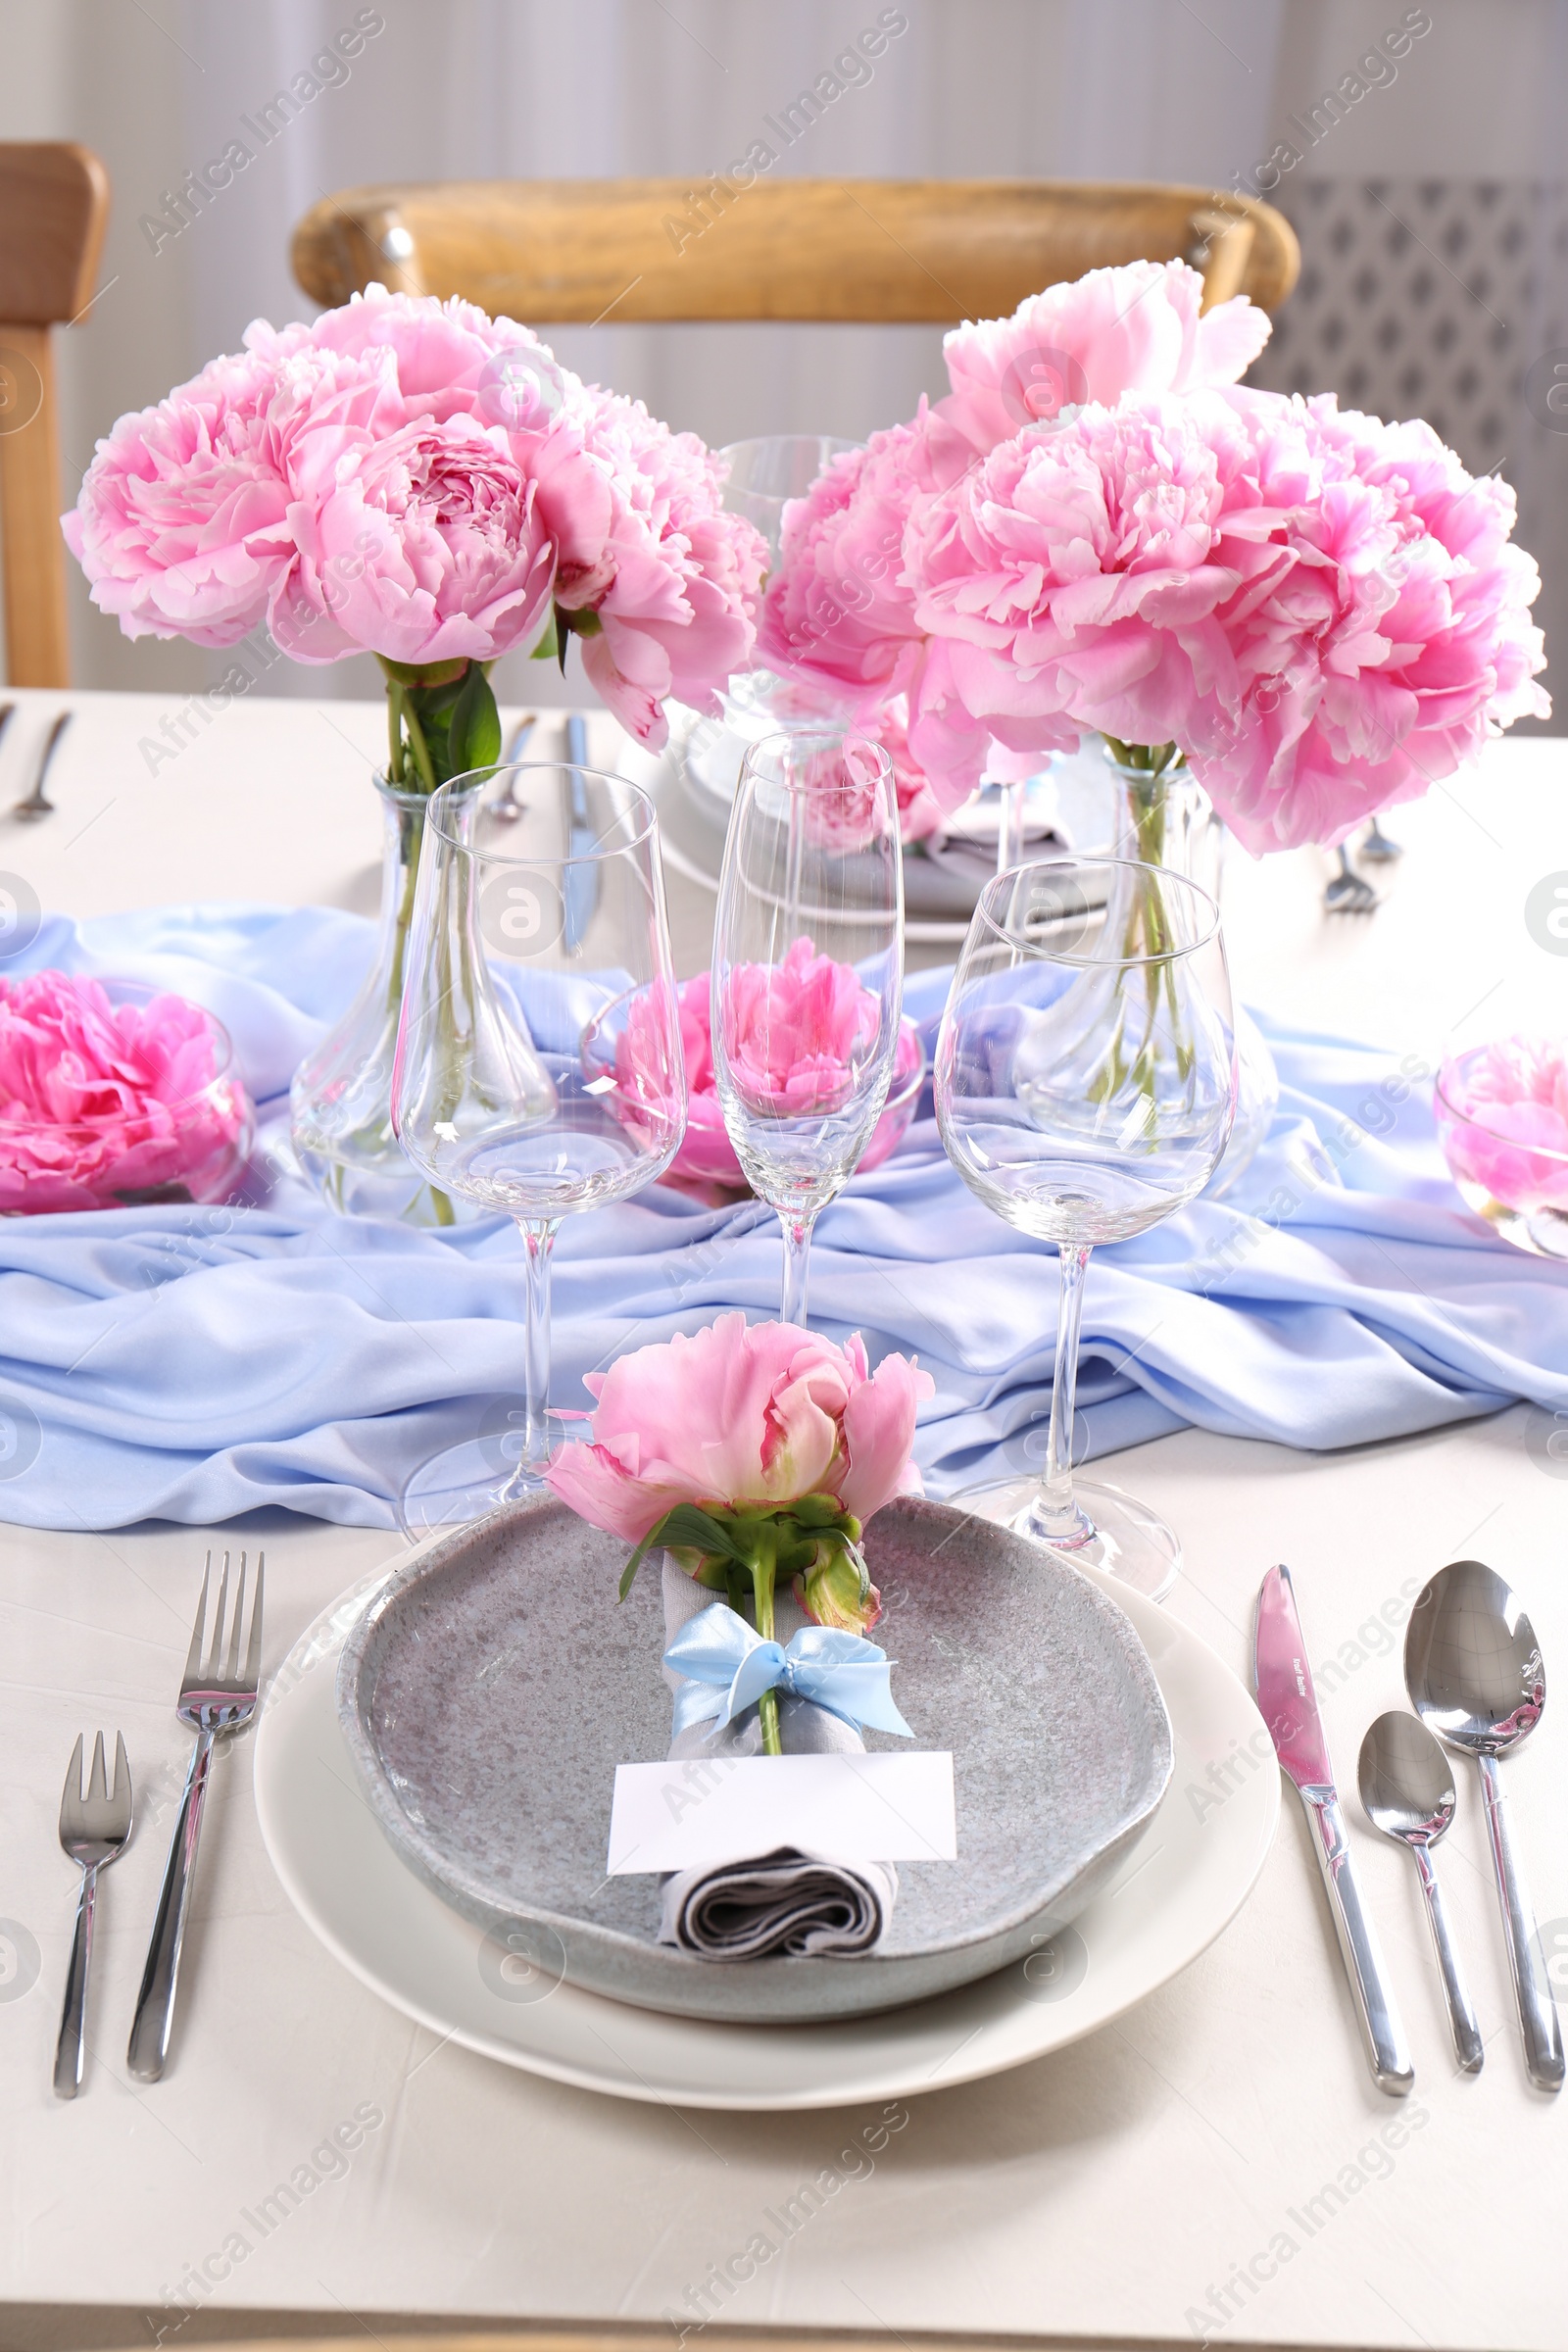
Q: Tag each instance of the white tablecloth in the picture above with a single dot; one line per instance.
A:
(1166, 2175)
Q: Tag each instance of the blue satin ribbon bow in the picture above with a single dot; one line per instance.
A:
(728, 1667)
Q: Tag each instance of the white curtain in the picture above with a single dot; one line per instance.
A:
(1199, 90)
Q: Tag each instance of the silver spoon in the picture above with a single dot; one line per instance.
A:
(1407, 1792)
(1474, 1672)
(507, 807)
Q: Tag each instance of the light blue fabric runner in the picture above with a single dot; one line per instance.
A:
(193, 1363)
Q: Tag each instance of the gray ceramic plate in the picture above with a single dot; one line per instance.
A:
(493, 1685)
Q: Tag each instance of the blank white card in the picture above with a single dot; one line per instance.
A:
(856, 1808)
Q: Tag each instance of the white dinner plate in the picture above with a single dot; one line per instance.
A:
(500, 1993)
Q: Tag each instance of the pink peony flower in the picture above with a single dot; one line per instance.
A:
(706, 1153)
(664, 595)
(839, 612)
(796, 1033)
(99, 1100)
(1075, 575)
(1391, 640)
(920, 810)
(182, 525)
(423, 545)
(1502, 1120)
(748, 1417)
(1141, 328)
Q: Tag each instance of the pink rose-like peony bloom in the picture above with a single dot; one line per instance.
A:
(796, 1033)
(1141, 328)
(99, 1100)
(1502, 1120)
(750, 1417)
(182, 526)
(1075, 577)
(706, 1152)
(423, 545)
(1390, 642)
(660, 583)
(839, 612)
(920, 810)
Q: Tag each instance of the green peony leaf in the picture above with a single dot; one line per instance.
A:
(474, 733)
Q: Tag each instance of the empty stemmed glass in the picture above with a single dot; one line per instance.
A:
(531, 936)
(808, 975)
(1085, 1086)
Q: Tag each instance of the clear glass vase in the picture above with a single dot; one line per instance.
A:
(1168, 819)
(340, 1103)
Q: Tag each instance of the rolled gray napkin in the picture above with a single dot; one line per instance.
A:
(785, 1903)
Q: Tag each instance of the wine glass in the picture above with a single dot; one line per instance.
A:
(762, 477)
(528, 935)
(808, 975)
(1085, 1088)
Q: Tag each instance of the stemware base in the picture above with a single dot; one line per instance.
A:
(1127, 1540)
(466, 1482)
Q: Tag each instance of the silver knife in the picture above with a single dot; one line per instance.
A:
(1287, 1703)
(581, 879)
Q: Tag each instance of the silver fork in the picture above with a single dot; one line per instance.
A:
(1379, 848)
(216, 1697)
(37, 802)
(93, 1830)
(1348, 893)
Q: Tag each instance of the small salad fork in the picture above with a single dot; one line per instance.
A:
(216, 1697)
(94, 1830)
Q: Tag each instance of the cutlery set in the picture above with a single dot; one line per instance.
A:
(37, 802)
(1475, 1677)
(217, 1696)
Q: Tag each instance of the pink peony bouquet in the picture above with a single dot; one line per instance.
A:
(1099, 528)
(1502, 1120)
(103, 1103)
(414, 479)
(752, 1453)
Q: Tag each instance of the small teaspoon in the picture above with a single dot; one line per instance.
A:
(1407, 1792)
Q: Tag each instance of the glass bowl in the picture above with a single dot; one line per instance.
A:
(1510, 1157)
(706, 1164)
(168, 1122)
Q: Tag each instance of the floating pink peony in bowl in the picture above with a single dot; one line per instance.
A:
(623, 1044)
(113, 1096)
(1502, 1120)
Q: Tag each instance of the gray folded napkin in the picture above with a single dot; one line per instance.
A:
(786, 1902)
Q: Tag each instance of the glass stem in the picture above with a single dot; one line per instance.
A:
(1009, 827)
(1055, 1514)
(538, 1240)
(797, 1265)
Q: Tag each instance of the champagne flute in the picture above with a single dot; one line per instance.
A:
(1085, 1088)
(538, 921)
(808, 975)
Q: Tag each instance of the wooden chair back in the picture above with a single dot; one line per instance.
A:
(54, 205)
(564, 251)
